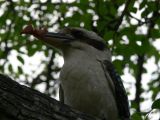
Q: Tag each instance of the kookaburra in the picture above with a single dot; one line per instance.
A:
(89, 82)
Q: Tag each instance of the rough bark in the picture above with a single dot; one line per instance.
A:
(18, 102)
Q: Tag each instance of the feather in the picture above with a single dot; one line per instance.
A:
(120, 93)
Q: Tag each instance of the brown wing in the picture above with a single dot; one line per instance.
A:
(120, 93)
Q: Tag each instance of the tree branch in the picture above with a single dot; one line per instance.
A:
(18, 102)
(120, 19)
(138, 81)
(141, 58)
(122, 15)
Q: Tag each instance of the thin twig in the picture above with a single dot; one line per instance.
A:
(122, 15)
(120, 21)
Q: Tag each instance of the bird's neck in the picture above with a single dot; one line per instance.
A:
(87, 54)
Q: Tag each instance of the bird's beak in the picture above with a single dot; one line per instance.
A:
(57, 39)
(60, 37)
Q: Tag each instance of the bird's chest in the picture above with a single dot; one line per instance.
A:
(84, 84)
(77, 72)
(80, 75)
(80, 82)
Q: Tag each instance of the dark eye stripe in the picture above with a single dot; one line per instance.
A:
(97, 44)
(79, 35)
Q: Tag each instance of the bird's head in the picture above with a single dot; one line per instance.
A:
(79, 38)
(69, 38)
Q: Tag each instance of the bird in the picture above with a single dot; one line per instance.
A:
(88, 79)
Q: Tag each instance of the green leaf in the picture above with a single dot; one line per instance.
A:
(108, 35)
(143, 4)
(20, 71)
(119, 65)
(20, 59)
(63, 8)
(155, 33)
(145, 13)
(100, 25)
(102, 9)
(120, 2)
(83, 2)
(133, 9)
(10, 68)
(152, 6)
(156, 104)
(136, 116)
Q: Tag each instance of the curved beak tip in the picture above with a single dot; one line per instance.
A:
(27, 30)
